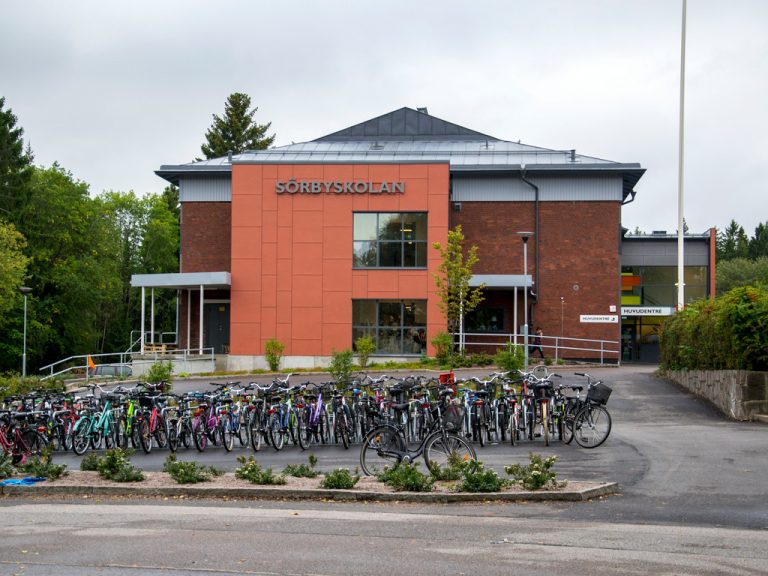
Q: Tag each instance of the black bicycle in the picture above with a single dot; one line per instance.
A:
(386, 446)
(588, 421)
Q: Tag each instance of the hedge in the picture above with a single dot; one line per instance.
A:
(727, 333)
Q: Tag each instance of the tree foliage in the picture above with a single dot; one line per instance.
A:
(731, 274)
(15, 164)
(729, 332)
(457, 299)
(13, 266)
(236, 130)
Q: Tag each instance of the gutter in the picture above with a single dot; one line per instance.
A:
(536, 235)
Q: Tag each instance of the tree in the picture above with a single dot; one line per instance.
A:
(457, 299)
(758, 244)
(13, 266)
(15, 165)
(236, 131)
(732, 243)
(739, 272)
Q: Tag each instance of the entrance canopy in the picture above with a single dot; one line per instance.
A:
(178, 281)
(501, 280)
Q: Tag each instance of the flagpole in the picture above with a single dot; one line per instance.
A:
(680, 176)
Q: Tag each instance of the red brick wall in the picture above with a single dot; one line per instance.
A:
(206, 231)
(578, 247)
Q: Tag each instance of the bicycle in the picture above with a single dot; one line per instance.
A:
(588, 421)
(386, 444)
(20, 442)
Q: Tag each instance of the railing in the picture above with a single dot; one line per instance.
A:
(77, 364)
(554, 346)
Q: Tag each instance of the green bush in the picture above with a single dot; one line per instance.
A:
(405, 477)
(43, 465)
(253, 472)
(302, 470)
(90, 462)
(482, 359)
(189, 472)
(510, 358)
(341, 366)
(340, 479)
(161, 371)
(538, 474)
(443, 343)
(273, 350)
(6, 466)
(727, 333)
(364, 346)
(475, 478)
(451, 472)
(116, 465)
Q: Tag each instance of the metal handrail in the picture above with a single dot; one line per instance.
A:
(604, 347)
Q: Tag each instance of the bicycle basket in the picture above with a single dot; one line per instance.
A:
(453, 417)
(599, 394)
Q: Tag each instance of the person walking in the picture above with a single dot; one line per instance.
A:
(537, 345)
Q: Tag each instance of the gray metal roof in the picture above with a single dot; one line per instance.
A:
(182, 280)
(407, 136)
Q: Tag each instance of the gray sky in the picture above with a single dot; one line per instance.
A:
(112, 90)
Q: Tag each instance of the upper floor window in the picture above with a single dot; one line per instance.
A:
(390, 240)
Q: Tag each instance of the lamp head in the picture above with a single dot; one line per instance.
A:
(25, 290)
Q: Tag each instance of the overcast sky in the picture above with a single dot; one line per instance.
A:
(112, 90)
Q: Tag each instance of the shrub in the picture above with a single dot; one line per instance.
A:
(43, 465)
(161, 371)
(253, 472)
(482, 359)
(6, 466)
(364, 346)
(189, 472)
(116, 465)
(443, 343)
(90, 462)
(538, 474)
(451, 472)
(510, 358)
(302, 470)
(341, 366)
(273, 350)
(340, 479)
(405, 477)
(475, 478)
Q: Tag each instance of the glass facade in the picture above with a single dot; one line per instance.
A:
(485, 319)
(657, 285)
(390, 240)
(396, 326)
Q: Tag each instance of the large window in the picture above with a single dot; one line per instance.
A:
(390, 240)
(484, 320)
(396, 326)
(658, 285)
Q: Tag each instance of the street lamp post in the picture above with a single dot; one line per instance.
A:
(525, 236)
(25, 290)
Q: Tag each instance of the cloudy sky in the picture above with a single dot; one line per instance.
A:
(112, 90)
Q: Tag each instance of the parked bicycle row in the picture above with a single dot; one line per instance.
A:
(504, 407)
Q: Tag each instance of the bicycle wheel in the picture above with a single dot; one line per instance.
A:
(110, 434)
(225, 432)
(161, 431)
(31, 443)
(514, 426)
(569, 415)
(382, 448)
(173, 435)
(342, 430)
(324, 428)
(200, 433)
(256, 434)
(145, 436)
(276, 433)
(185, 432)
(441, 448)
(81, 440)
(302, 434)
(243, 430)
(591, 426)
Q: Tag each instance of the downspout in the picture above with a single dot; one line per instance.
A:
(536, 238)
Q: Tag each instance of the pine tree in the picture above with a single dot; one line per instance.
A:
(732, 242)
(236, 131)
(15, 165)
(758, 244)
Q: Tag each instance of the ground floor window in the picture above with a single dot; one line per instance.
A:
(396, 326)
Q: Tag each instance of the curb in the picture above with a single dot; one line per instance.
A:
(311, 494)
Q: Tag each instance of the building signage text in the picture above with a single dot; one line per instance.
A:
(646, 311)
(599, 318)
(294, 186)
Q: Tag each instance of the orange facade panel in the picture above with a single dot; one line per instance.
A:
(299, 286)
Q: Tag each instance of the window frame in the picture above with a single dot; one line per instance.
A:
(361, 247)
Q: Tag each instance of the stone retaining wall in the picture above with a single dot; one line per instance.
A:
(740, 394)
